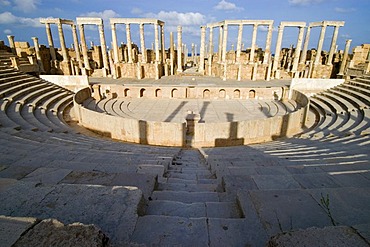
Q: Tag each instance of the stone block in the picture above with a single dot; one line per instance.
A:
(154, 230)
(11, 229)
(341, 236)
(51, 232)
(284, 210)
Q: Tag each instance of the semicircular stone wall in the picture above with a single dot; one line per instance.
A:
(191, 132)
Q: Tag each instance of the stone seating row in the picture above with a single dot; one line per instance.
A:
(342, 110)
(30, 103)
(277, 180)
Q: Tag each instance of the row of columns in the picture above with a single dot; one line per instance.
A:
(59, 22)
(81, 22)
(223, 33)
(222, 41)
(301, 58)
(301, 26)
(158, 38)
(323, 25)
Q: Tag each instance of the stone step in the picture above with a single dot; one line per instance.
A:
(187, 176)
(236, 232)
(200, 180)
(203, 171)
(156, 230)
(188, 187)
(175, 208)
(194, 210)
(181, 180)
(185, 197)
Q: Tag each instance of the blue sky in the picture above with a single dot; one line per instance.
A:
(21, 18)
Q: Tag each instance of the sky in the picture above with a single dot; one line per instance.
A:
(21, 19)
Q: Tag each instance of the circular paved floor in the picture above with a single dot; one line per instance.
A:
(175, 110)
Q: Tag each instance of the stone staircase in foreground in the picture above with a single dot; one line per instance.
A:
(190, 208)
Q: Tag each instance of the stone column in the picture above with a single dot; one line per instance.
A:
(179, 49)
(172, 54)
(142, 44)
(192, 53)
(186, 53)
(239, 44)
(224, 51)
(224, 44)
(129, 45)
(220, 44)
(345, 57)
(84, 47)
(156, 42)
(267, 54)
(210, 53)
(253, 47)
(62, 42)
(12, 44)
(114, 43)
(333, 44)
(51, 42)
(320, 44)
(163, 45)
(202, 48)
(103, 48)
(278, 48)
(76, 46)
(305, 46)
(38, 56)
(298, 49)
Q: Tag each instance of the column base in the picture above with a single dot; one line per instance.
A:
(65, 66)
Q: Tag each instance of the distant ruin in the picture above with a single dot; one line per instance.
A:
(129, 60)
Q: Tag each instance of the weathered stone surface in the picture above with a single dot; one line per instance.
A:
(171, 208)
(154, 230)
(185, 197)
(282, 210)
(236, 232)
(338, 236)
(145, 182)
(274, 182)
(16, 172)
(11, 228)
(51, 232)
(47, 175)
(348, 206)
(113, 209)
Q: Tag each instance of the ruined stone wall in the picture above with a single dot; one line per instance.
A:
(322, 71)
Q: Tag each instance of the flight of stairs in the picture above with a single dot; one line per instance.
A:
(189, 207)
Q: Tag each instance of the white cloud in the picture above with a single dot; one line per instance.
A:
(228, 6)
(172, 18)
(8, 31)
(266, 28)
(9, 18)
(105, 15)
(136, 11)
(345, 36)
(343, 10)
(26, 5)
(304, 2)
(4, 2)
(190, 21)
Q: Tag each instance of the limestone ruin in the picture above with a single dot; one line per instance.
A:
(168, 146)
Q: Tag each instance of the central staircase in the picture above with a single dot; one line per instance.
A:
(189, 207)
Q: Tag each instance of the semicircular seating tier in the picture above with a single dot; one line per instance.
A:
(194, 196)
(341, 111)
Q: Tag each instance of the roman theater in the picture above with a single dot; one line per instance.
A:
(220, 143)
